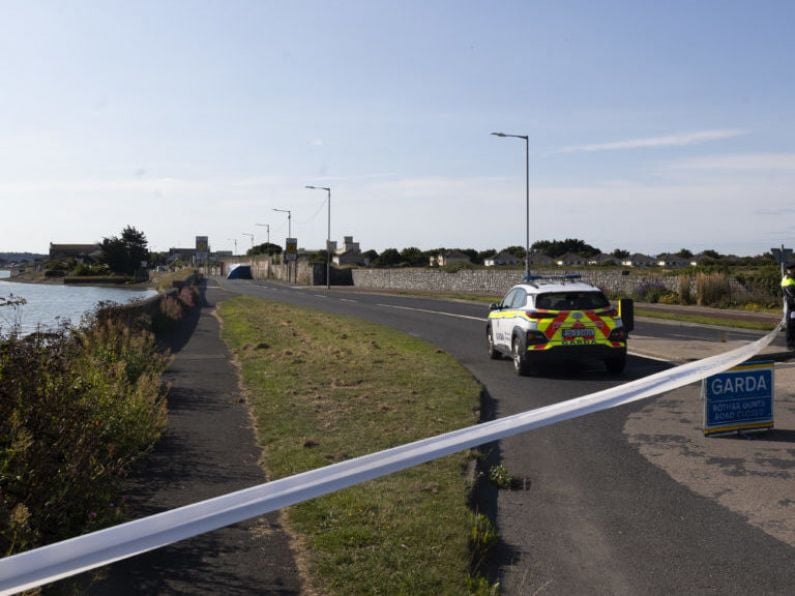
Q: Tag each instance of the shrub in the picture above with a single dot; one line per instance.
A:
(168, 315)
(669, 298)
(763, 286)
(685, 290)
(650, 291)
(458, 266)
(77, 407)
(713, 289)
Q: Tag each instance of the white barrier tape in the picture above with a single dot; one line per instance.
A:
(63, 559)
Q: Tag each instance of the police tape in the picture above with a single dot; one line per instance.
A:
(60, 560)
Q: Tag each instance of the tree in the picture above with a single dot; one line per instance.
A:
(389, 258)
(486, 254)
(558, 248)
(684, 253)
(620, 253)
(137, 248)
(413, 257)
(371, 256)
(518, 251)
(126, 254)
(266, 248)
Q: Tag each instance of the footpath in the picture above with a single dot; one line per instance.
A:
(752, 474)
(208, 449)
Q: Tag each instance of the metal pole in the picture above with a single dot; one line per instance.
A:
(526, 139)
(527, 203)
(328, 244)
(328, 234)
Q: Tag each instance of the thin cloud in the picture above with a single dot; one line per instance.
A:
(673, 140)
(740, 162)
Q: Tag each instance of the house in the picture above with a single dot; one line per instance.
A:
(571, 259)
(347, 254)
(79, 252)
(448, 257)
(348, 245)
(672, 261)
(350, 257)
(501, 259)
(639, 260)
(180, 254)
(602, 260)
(539, 259)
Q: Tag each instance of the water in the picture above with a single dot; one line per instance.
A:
(49, 304)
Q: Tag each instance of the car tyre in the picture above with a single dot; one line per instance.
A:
(519, 354)
(616, 366)
(494, 353)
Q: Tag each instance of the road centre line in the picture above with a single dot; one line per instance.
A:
(434, 312)
(347, 300)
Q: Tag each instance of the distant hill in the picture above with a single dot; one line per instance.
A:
(19, 257)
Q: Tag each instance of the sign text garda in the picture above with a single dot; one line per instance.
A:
(739, 399)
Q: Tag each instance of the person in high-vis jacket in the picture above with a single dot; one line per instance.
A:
(788, 285)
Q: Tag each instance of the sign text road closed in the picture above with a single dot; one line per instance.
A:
(739, 399)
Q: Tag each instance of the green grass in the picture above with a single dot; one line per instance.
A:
(324, 389)
(705, 320)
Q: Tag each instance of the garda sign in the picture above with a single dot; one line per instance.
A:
(739, 399)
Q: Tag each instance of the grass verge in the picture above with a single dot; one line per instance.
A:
(325, 388)
(705, 320)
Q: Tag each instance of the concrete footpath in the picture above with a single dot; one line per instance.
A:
(753, 474)
(208, 449)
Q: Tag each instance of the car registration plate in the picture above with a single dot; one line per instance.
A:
(579, 335)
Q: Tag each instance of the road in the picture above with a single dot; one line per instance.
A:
(595, 517)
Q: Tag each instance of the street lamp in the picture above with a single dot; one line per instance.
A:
(527, 196)
(328, 234)
(267, 231)
(250, 236)
(235, 241)
(289, 218)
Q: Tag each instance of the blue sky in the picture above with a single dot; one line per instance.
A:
(653, 126)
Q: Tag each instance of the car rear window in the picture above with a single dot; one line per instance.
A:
(572, 301)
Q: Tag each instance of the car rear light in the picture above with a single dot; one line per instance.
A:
(535, 337)
(617, 334)
(534, 314)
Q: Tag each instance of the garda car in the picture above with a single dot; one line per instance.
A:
(556, 319)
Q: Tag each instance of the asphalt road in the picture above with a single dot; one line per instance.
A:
(594, 516)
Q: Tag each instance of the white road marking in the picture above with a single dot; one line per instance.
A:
(434, 312)
(347, 300)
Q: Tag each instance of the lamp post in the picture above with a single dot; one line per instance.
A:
(267, 231)
(527, 196)
(250, 236)
(235, 241)
(289, 218)
(328, 234)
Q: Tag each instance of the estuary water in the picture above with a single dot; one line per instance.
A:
(49, 304)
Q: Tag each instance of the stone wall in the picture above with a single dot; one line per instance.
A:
(301, 272)
(498, 281)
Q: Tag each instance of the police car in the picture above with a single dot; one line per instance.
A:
(556, 319)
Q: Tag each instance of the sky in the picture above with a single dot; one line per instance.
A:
(653, 126)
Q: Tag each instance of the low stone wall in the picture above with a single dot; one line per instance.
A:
(301, 273)
(139, 312)
(497, 281)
